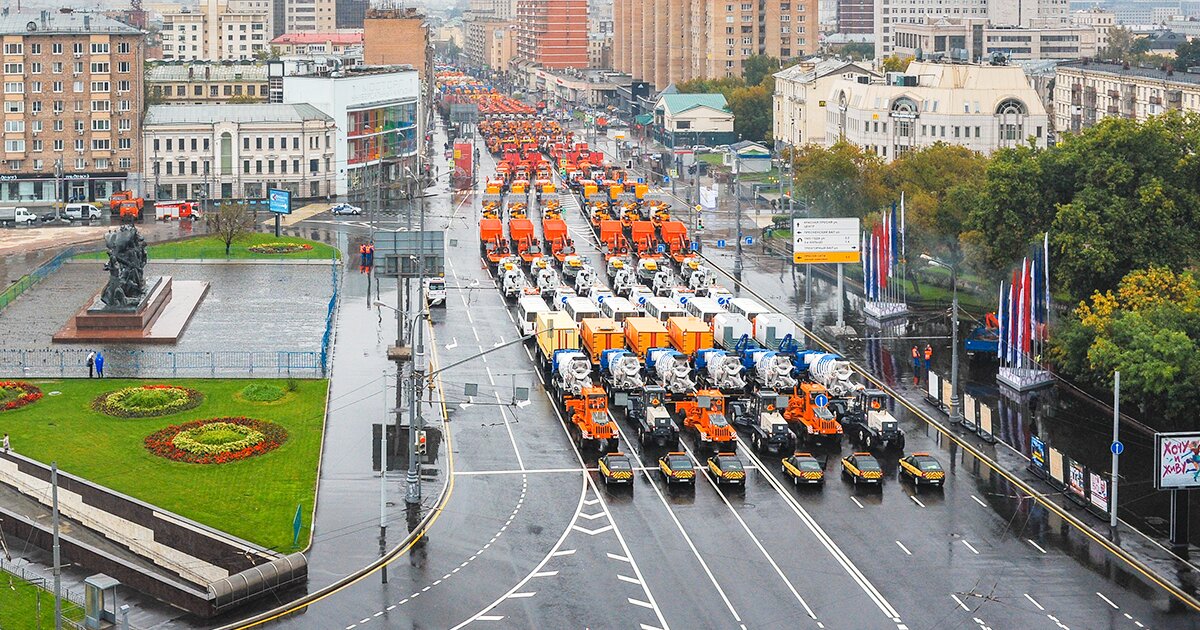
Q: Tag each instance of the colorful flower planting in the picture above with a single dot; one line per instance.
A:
(216, 440)
(17, 394)
(147, 401)
(280, 248)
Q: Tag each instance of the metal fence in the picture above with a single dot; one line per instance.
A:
(54, 362)
(37, 275)
(45, 605)
(327, 336)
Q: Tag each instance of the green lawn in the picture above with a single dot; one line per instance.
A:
(214, 248)
(713, 159)
(25, 605)
(254, 499)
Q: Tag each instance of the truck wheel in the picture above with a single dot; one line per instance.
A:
(757, 443)
(868, 442)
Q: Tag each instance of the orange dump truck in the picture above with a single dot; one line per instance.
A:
(674, 235)
(554, 232)
(598, 334)
(689, 334)
(520, 232)
(613, 238)
(491, 240)
(644, 333)
(645, 243)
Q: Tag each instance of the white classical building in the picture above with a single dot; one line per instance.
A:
(374, 109)
(801, 94)
(237, 151)
(981, 107)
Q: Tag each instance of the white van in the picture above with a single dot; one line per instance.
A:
(435, 291)
(704, 308)
(662, 308)
(617, 309)
(81, 212)
(580, 308)
(528, 308)
(17, 216)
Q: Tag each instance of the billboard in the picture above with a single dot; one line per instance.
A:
(1177, 460)
(1099, 491)
(1075, 483)
(463, 155)
(825, 241)
(279, 201)
(1037, 453)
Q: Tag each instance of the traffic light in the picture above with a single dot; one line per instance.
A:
(421, 442)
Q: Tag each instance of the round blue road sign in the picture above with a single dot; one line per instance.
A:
(720, 242)
(749, 240)
(1117, 448)
(820, 400)
(661, 248)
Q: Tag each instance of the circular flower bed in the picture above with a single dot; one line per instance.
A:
(216, 440)
(147, 401)
(279, 248)
(16, 394)
(262, 392)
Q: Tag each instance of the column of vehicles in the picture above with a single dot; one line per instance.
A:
(124, 205)
(655, 339)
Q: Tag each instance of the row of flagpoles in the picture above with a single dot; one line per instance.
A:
(1024, 310)
(882, 252)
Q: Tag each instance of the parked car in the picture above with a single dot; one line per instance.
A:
(81, 212)
(345, 208)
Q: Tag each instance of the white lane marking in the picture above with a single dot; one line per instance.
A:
(491, 380)
(591, 501)
(1138, 624)
(545, 574)
(522, 595)
(529, 353)
(1057, 622)
(916, 500)
(510, 317)
(750, 533)
(451, 346)
(391, 607)
(1110, 602)
(364, 620)
(1129, 616)
(638, 602)
(1034, 602)
(1035, 545)
(840, 556)
(591, 532)
(378, 614)
(970, 547)
(564, 552)
(626, 578)
(960, 602)
(591, 516)
(616, 557)
(903, 547)
(978, 500)
(489, 618)
(476, 333)
(530, 471)
(508, 427)
(469, 318)
(855, 500)
(648, 627)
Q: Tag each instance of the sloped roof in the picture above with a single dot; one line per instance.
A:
(677, 104)
(805, 73)
(749, 146)
(216, 72)
(247, 113)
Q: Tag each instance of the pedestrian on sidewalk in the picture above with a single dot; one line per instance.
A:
(928, 356)
(5, 444)
(99, 365)
(91, 363)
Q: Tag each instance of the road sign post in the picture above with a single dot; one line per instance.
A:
(1116, 448)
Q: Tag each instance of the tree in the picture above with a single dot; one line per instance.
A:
(229, 222)
(839, 181)
(941, 186)
(894, 63)
(858, 50)
(1187, 55)
(757, 68)
(1149, 330)
(1120, 45)
(1015, 203)
(751, 107)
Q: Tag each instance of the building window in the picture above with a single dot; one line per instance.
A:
(226, 153)
(101, 145)
(99, 67)
(100, 48)
(14, 49)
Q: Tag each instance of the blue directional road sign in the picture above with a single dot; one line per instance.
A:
(720, 242)
(1117, 448)
(661, 248)
(695, 246)
(820, 400)
(749, 240)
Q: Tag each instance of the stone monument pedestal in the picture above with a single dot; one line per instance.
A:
(159, 317)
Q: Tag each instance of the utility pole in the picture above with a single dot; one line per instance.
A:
(1116, 449)
(737, 197)
(58, 620)
(417, 425)
(956, 416)
(383, 472)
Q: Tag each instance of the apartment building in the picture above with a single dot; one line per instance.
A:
(1086, 93)
(672, 41)
(856, 17)
(490, 44)
(216, 31)
(801, 98)
(978, 39)
(207, 83)
(308, 15)
(981, 107)
(553, 33)
(890, 13)
(397, 37)
(71, 106)
(334, 43)
(1098, 19)
(237, 151)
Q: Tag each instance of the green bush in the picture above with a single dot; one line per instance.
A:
(263, 392)
(292, 384)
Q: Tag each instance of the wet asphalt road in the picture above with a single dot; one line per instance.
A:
(530, 539)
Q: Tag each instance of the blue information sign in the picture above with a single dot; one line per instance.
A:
(820, 400)
(1117, 448)
(279, 201)
(720, 242)
(695, 246)
(749, 240)
(661, 248)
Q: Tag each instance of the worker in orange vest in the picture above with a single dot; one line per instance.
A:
(916, 357)
(362, 258)
(928, 356)
(370, 255)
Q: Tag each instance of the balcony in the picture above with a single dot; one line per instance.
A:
(1156, 100)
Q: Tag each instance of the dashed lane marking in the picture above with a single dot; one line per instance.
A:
(978, 500)
(916, 500)
(855, 500)
(970, 547)
(960, 602)
(1035, 545)
(903, 547)
(1034, 602)
(1110, 602)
